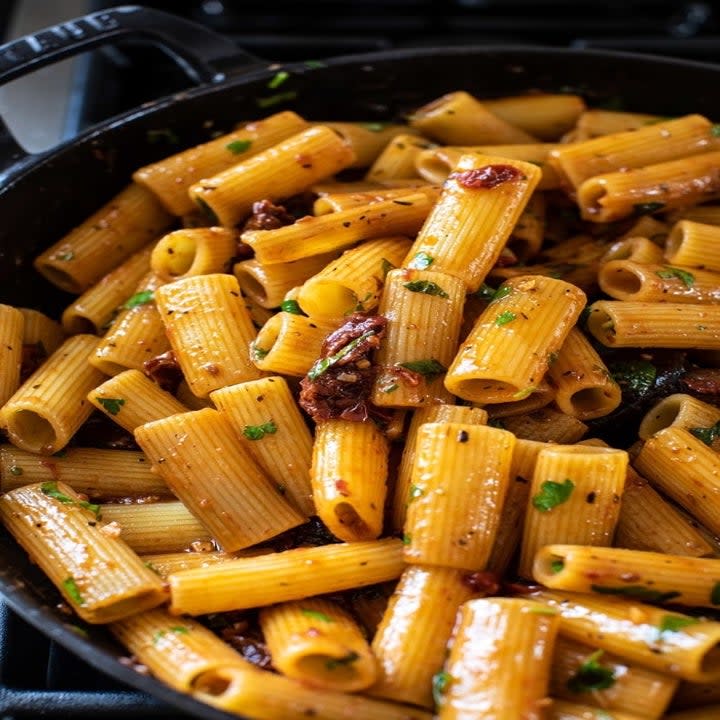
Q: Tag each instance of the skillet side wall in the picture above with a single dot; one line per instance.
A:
(46, 196)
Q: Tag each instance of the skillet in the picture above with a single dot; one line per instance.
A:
(43, 196)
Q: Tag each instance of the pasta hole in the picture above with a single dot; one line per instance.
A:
(349, 517)
(622, 280)
(251, 286)
(79, 325)
(588, 399)
(339, 668)
(212, 683)
(174, 254)
(663, 415)
(326, 298)
(60, 278)
(36, 432)
(433, 168)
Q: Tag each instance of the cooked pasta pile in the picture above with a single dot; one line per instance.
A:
(400, 439)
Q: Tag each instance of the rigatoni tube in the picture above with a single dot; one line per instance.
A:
(96, 572)
(203, 462)
(289, 575)
(499, 664)
(459, 481)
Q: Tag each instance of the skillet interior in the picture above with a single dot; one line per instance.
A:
(47, 195)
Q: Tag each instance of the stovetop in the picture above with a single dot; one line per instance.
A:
(39, 678)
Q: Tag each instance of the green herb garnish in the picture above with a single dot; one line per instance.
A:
(672, 273)
(66, 256)
(258, 352)
(715, 130)
(485, 292)
(707, 434)
(291, 306)
(504, 318)
(278, 79)
(258, 432)
(386, 266)
(637, 376)
(637, 592)
(552, 494)
(140, 298)
(421, 261)
(441, 681)
(112, 405)
(674, 623)
(73, 590)
(406, 538)
(348, 659)
(427, 287)
(375, 126)
(591, 675)
(238, 147)
(414, 492)
(427, 368)
(501, 292)
(314, 64)
(282, 97)
(15, 470)
(323, 364)
(557, 566)
(316, 615)
(51, 490)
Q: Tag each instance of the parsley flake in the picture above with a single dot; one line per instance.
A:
(637, 376)
(66, 256)
(238, 147)
(441, 681)
(427, 368)
(15, 470)
(258, 352)
(92, 507)
(524, 393)
(637, 592)
(591, 675)
(501, 292)
(51, 490)
(375, 126)
(485, 292)
(258, 432)
(111, 405)
(414, 492)
(406, 538)
(504, 318)
(278, 79)
(672, 273)
(427, 287)
(140, 298)
(707, 434)
(715, 130)
(316, 615)
(386, 266)
(291, 306)
(324, 364)
(557, 565)
(334, 663)
(314, 64)
(553, 494)
(421, 261)
(282, 97)
(72, 589)
(674, 623)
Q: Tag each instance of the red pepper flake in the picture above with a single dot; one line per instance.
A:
(487, 177)
(342, 487)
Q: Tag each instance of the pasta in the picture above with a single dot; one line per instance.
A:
(361, 408)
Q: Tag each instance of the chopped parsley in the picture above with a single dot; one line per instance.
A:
(316, 615)
(72, 589)
(707, 434)
(557, 565)
(552, 358)
(15, 470)
(258, 432)
(414, 492)
(524, 393)
(323, 364)
(715, 594)
(671, 273)
(427, 368)
(92, 507)
(278, 79)
(427, 287)
(291, 306)
(485, 292)
(504, 318)
(501, 292)
(375, 126)
(715, 130)
(673, 623)
(591, 675)
(258, 352)
(207, 210)
(51, 490)
(140, 298)
(637, 592)
(314, 64)
(406, 538)
(282, 97)
(349, 659)
(390, 388)
(553, 494)
(238, 147)
(421, 261)
(637, 376)
(111, 405)
(648, 207)
(386, 266)
(441, 681)
(66, 256)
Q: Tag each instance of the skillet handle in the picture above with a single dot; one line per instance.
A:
(204, 55)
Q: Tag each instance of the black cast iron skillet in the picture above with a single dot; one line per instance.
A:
(43, 196)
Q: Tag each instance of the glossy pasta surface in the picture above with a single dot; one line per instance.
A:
(416, 420)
